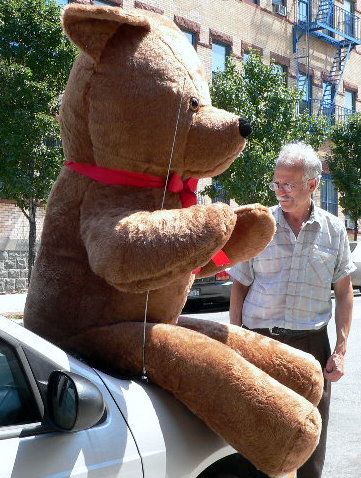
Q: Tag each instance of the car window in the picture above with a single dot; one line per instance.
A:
(17, 403)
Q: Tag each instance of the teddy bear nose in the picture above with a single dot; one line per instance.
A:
(244, 127)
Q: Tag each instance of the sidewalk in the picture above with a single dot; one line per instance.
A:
(12, 303)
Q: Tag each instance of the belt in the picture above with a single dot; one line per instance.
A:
(281, 332)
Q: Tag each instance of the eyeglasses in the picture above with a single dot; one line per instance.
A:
(287, 187)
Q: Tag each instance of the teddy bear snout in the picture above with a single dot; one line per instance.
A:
(245, 127)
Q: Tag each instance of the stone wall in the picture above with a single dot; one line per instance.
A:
(14, 231)
(13, 271)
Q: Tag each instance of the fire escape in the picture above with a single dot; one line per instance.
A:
(337, 27)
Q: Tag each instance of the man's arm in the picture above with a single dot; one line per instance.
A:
(238, 294)
(343, 316)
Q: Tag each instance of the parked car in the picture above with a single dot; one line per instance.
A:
(61, 417)
(356, 258)
(213, 289)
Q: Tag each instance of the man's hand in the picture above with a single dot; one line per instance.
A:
(334, 369)
(335, 365)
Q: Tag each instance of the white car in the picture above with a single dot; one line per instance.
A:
(60, 418)
(356, 259)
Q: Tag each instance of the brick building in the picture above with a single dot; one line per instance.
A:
(316, 43)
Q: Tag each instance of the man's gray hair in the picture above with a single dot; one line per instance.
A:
(300, 155)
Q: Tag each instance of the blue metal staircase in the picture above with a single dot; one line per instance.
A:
(337, 27)
(333, 81)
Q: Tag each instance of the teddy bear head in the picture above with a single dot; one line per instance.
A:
(138, 99)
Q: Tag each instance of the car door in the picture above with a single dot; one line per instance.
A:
(30, 450)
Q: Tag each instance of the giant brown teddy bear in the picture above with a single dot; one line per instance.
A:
(138, 130)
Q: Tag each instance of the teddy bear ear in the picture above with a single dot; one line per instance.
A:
(90, 27)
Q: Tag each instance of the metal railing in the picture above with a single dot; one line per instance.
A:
(328, 19)
(334, 113)
(347, 23)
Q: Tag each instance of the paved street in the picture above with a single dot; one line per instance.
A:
(343, 458)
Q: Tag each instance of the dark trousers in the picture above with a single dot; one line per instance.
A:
(318, 345)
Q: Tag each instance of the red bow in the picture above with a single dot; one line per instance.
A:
(186, 189)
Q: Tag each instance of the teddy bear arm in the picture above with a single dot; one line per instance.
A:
(272, 426)
(130, 248)
(253, 231)
(295, 369)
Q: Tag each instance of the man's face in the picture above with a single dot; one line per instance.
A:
(296, 200)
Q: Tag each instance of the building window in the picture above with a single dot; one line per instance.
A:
(281, 70)
(327, 107)
(303, 10)
(220, 194)
(245, 56)
(348, 10)
(328, 92)
(305, 86)
(220, 53)
(103, 2)
(350, 102)
(191, 37)
(329, 196)
(280, 7)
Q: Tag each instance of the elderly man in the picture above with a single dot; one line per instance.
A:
(285, 292)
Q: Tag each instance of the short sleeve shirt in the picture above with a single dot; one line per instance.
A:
(290, 281)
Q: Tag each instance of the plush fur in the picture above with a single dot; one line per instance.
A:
(129, 105)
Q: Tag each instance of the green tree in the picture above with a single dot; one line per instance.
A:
(345, 166)
(35, 61)
(260, 94)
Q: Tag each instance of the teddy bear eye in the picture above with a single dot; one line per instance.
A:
(194, 104)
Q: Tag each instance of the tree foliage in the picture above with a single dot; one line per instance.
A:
(345, 165)
(35, 61)
(260, 94)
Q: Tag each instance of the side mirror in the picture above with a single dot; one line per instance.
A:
(74, 403)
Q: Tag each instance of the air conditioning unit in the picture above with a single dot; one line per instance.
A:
(280, 9)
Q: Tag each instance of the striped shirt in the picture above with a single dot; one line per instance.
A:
(290, 281)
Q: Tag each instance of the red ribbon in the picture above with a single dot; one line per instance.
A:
(220, 259)
(186, 188)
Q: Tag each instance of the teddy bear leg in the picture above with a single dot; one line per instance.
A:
(295, 369)
(269, 424)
